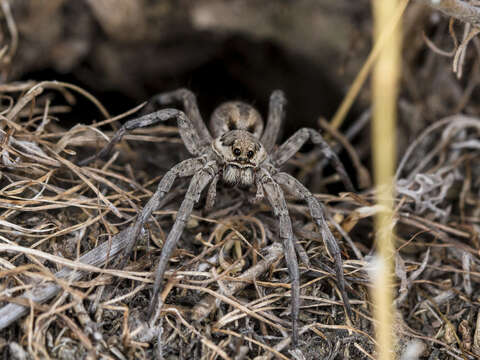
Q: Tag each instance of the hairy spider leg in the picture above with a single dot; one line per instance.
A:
(277, 201)
(198, 183)
(293, 144)
(212, 193)
(188, 132)
(300, 192)
(276, 114)
(302, 254)
(183, 169)
(190, 106)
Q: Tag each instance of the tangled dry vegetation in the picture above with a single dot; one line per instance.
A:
(227, 296)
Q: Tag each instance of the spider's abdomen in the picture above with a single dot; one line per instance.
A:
(236, 115)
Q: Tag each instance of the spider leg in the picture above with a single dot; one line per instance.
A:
(296, 188)
(189, 102)
(199, 181)
(185, 168)
(276, 114)
(188, 132)
(302, 254)
(296, 141)
(277, 201)
(212, 193)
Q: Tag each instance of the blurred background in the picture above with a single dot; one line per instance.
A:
(125, 51)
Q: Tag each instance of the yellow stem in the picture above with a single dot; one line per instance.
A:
(357, 84)
(384, 98)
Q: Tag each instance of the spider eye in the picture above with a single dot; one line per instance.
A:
(236, 152)
(250, 154)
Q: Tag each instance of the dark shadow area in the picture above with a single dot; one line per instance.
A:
(239, 69)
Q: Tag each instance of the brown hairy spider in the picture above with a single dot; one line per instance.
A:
(240, 153)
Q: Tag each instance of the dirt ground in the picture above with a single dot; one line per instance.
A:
(72, 72)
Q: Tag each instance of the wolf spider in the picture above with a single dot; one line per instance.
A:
(240, 153)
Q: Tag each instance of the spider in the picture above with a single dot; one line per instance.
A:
(239, 152)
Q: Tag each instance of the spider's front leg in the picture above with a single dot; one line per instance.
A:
(189, 102)
(199, 181)
(277, 201)
(296, 141)
(188, 132)
(296, 189)
(186, 168)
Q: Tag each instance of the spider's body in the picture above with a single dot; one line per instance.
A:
(241, 154)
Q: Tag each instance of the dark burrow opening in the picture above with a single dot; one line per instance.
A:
(239, 68)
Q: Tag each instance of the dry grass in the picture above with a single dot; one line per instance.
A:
(61, 231)
(227, 296)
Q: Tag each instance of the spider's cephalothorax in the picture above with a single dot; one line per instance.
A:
(242, 154)
(237, 127)
(237, 144)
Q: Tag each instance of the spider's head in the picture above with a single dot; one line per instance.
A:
(241, 153)
(236, 115)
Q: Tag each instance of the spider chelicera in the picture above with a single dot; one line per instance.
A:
(240, 153)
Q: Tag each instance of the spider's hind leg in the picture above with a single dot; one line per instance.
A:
(296, 141)
(276, 114)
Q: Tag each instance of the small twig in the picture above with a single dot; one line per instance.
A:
(12, 28)
(458, 9)
(208, 304)
(21, 103)
(459, 58)
(468, 121)
(363, 176)
(362, 75)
